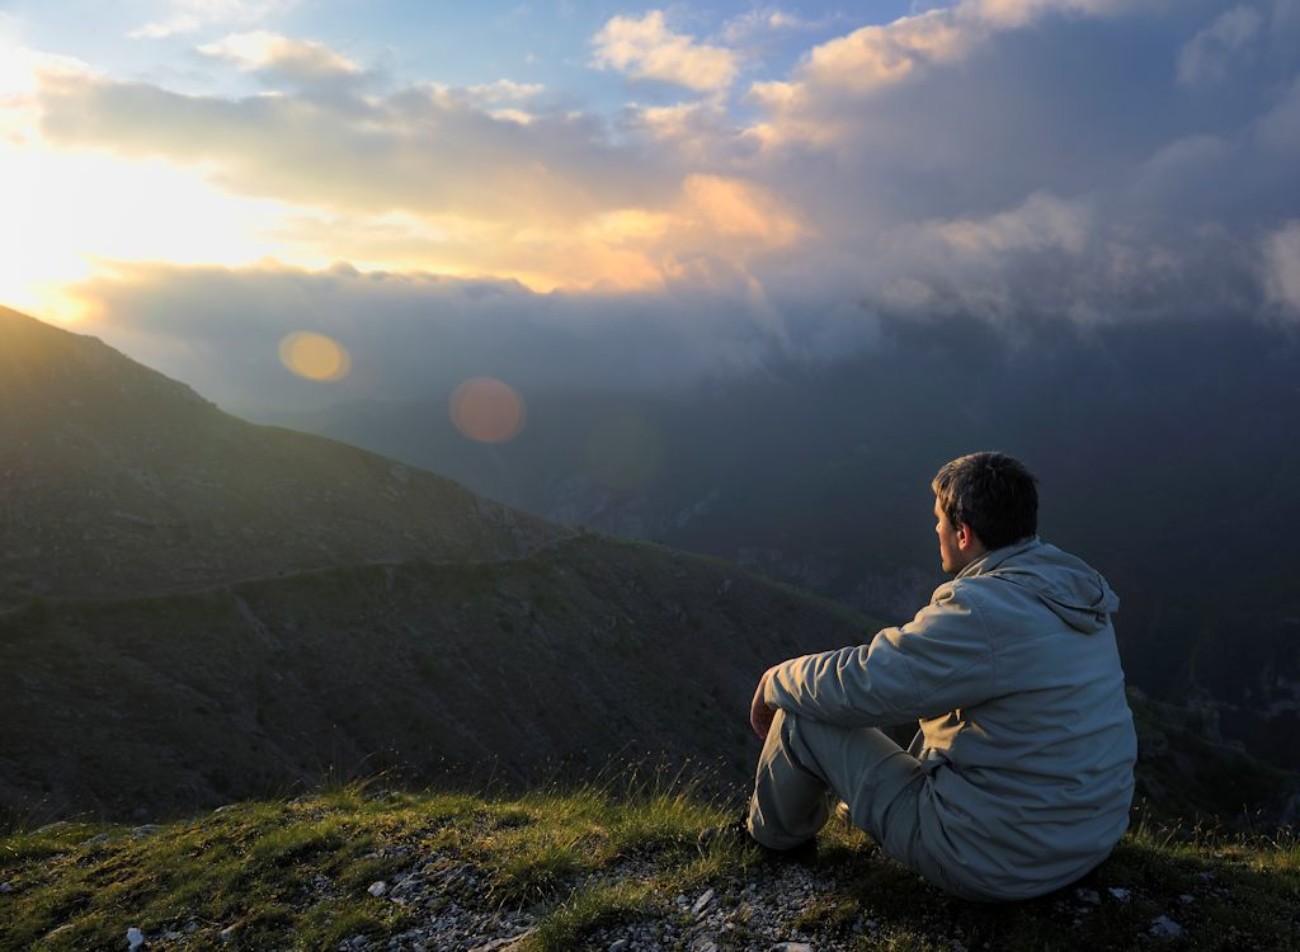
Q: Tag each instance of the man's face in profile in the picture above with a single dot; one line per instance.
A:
(950, 554)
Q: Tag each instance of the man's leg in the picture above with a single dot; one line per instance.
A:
(805, 763)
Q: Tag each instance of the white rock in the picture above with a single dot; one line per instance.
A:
(227, 934)
(378, 889)
(792, 947)
(1165, 928)
(134, 938)
(700, 903)
(1120, 893)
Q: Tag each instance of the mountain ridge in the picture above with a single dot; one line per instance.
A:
(115, 479)
(149, 678)
(293, 609)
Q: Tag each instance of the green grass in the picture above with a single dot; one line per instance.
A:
(580, 865)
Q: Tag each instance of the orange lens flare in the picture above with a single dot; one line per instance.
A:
(487, 410)
(315, 357)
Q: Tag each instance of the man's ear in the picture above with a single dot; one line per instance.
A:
(965, 536)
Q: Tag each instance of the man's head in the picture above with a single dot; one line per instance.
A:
(982, 502)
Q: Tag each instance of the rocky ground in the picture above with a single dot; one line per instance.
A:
(557, 873)
(773, 907)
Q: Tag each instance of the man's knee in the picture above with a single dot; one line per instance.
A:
(792, 728)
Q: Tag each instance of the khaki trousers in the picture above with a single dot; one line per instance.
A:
(807, 765)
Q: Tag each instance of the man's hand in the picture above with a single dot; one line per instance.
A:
(760, 715)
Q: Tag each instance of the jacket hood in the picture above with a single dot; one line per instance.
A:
(1070, 587)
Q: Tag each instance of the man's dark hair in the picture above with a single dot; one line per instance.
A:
(992, 493)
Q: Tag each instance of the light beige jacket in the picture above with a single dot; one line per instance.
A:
(1026, 737)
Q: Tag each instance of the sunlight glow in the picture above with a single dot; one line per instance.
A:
(70, 214)
(487, 410)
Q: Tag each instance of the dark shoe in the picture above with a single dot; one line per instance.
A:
(737, 834)
(733, 834)
(805, 854)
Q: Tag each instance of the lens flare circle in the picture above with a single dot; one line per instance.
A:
(315, 356)
(487, 410)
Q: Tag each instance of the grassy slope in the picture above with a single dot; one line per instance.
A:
(589, 651)
(581, 870)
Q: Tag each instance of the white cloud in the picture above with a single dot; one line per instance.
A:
(648, 49)
(1042, 223)
(959, 161)
(190, 16)
(261, 50)
(812, 105)
(1026, 259)
(1208, 55)
(879, 56)
(761, 21)
(1282, 267)
(1010, 14)
(430, 150)
(505, 90)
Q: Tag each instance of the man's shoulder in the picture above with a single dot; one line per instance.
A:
(988, 592)
(958, 602)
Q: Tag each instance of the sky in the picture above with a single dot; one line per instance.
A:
(289, 203)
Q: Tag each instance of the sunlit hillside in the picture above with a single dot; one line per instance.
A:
(195, 610)
(598, 868)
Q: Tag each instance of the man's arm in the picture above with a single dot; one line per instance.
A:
(939, 661)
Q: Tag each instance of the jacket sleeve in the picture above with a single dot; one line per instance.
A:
(939, 661)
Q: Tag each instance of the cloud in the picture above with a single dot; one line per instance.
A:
(190, 16)
(1029, 259)
(1208, 55)
(879, 56)
(989, 158)
(814, 105)
(647, 49)
(761, 21)
(263, 51)
(428, 150)
(1013, 14)
(1041, 223)
(482, 180)
(1279, 129)
(1282, 267)
(221, 331)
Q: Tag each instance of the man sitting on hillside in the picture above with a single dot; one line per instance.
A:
(1021, 777)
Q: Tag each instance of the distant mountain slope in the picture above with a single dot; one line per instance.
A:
(589, 653)
(116, 480)
(194, 610)
(1167, 452)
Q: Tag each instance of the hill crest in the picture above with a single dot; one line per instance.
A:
(116, 480)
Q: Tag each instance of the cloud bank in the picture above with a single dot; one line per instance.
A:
(1083, 160)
